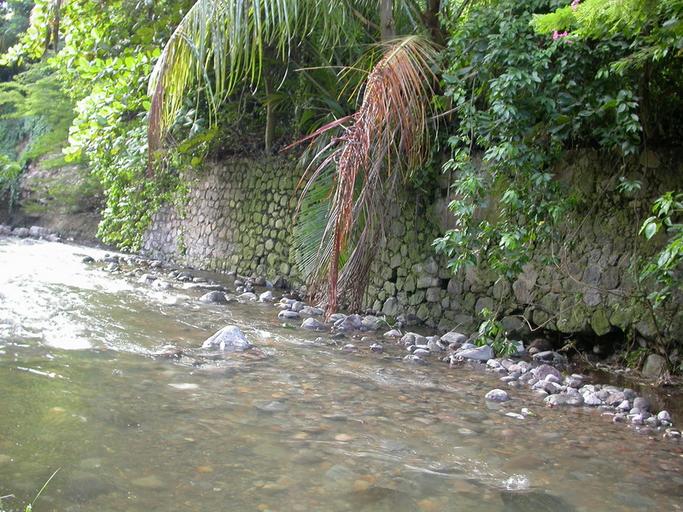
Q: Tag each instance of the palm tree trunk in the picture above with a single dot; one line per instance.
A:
(386, 17)
(430, 18)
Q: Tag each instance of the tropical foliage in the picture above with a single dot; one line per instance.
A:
(150, 88)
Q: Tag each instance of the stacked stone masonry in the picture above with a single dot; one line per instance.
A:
(239, 216)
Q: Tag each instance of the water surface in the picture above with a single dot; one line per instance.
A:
(310, 427)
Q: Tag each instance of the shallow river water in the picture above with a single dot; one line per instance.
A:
(309, 428)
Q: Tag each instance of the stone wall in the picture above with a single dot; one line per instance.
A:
(237, 217)
(239, 214)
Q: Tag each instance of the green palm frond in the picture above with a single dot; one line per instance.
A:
(220, 43)
(386, 139)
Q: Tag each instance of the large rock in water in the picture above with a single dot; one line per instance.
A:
(228, 339)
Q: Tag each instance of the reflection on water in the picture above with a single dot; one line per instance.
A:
(307, 428)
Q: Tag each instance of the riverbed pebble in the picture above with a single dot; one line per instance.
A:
(393, 333)
(497, 395)
(266, 296)
(312, 324)
(287, 314)
(482, 354)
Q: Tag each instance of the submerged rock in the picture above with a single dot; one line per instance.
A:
(536, 501)
(497, 395)
(228, 339)
(214, 297)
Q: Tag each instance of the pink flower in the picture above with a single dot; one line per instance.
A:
(575, 4)
(559, 35)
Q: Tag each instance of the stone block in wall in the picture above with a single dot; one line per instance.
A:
(484, 303)
(455, 287)
(416, 298)
(573, 317)
(423, 312)
(390, 307)
(390, 288)
(433, 294)
(523, 289)
(501, 289)
(427, 281)
(599, 322)
(591, 297)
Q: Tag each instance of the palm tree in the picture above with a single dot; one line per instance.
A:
(221, 43)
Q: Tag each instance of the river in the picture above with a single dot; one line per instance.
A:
(308, 428)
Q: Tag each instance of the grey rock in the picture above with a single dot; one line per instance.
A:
(630, 394)
(615, 398)
(664, 417)
(349, 347)
(266, 296)
(494, 363)
(350, 323)
(229, 339)
(624, 406)
(247, 297)
(536, 501)
(561, 399)
(376, 347)
(310, 311)
(652, 421)
(372, 323)
(574, 381)
(521, 366)
(271, 407)
(542, 371)
(421, 352)
(641, 403)
(477, 354)
(654, 367)
(454, 337)
(636, 419)
(390, 307)
(286, 314)
(434, 346)
(88, 259)
(553, 378)
(313, 325)
(410, 358)
(214, 297)
(497, 395)
(393, 333)
(592, 399)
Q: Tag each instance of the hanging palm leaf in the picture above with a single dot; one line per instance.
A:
(385, 140)
(220, 43)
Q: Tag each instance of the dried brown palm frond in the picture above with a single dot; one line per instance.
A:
(385, 140)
